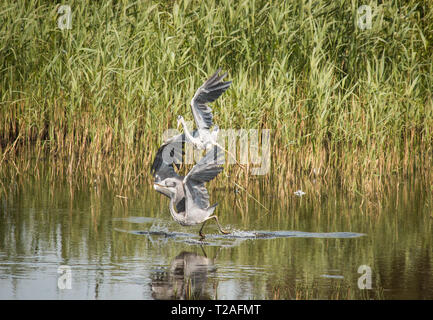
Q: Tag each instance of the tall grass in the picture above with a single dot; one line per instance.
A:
(346, 106)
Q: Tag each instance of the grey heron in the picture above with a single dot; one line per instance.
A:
(189, 194)
(211, 90)
(203, 138)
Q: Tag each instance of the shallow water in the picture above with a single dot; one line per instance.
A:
(117, 248)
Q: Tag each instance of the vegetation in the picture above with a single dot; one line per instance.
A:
(347, 106)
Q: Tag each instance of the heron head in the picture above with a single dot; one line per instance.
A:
(168, 184)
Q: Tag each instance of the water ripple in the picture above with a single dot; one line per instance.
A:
(238, 235)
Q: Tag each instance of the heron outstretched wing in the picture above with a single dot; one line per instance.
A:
(169, 153)
(208, 92)
(204, 171)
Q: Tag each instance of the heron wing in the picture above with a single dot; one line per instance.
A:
(180, 206)
(208, 92)
(208, 167)
(196, 196)
(204, 171)
(169, 153)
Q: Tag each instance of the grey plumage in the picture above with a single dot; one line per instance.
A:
(204, 171)
(168, 155)
(211, 90)
(189, 199)
(192, 188)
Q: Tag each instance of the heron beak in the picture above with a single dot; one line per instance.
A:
(159, 185)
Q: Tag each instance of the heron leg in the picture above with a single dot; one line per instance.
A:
(202, 250)
(218, 223)
(200, 232)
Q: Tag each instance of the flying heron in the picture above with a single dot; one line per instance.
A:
(211, 90)
(203, 138)
(188, 194)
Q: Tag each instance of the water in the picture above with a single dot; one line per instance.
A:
(119, 248)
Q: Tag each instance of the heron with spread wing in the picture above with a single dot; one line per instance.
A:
(211, 90)
(189, 194)
(203, 138)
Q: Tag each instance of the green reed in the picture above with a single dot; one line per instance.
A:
(346, 106)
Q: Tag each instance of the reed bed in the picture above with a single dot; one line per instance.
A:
(346, 107)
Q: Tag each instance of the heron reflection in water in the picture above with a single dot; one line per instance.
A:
(185, 279)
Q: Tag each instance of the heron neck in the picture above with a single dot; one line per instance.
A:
(186, 131)
(176, 216)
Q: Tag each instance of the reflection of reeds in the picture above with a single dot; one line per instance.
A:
(346, 107)
(334, 290)
(80, 222)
